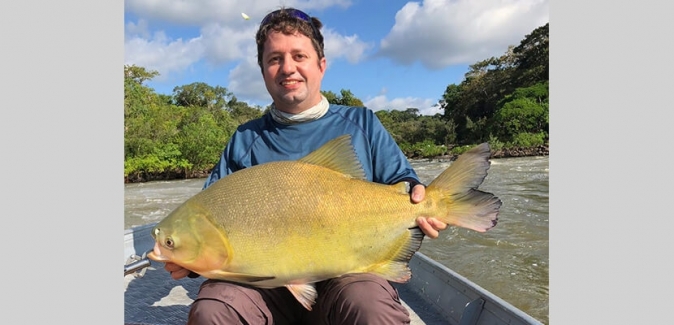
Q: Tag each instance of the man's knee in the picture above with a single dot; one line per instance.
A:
(226, 303)
(210, 311)
(368, 300)
(367, 293)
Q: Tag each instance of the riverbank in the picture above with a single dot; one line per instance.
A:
(501, 153)
(543, 150)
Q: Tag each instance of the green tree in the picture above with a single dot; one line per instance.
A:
(147, 118)
(202, 95)
(138, 75)
(533, 58)
(472, 105)
(241, 112)
(346, 98)
(526, 111)
(201, 140)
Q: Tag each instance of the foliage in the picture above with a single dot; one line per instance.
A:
(458, 150)
(425, 149)
(345, 98)
(525, 111)
(493, 89)
(241, 112)
(528, 140)
(428, 149)
(533, 64)
(495, 143)
(502, 100)
(180, 134)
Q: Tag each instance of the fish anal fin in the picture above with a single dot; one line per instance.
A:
(338, 155)
(304, 293)
(393, 271)
(236, 277)
(397, 269)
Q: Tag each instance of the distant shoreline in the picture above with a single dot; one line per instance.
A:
(501, 153)
(496, 154)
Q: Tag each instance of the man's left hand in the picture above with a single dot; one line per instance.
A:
(430, 226)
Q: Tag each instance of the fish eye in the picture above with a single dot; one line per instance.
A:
(169, 242)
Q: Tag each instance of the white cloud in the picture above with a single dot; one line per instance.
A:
(224, 36)
(245, 81)
(224, 44)
(228, 12)
(158, 52)
(440, 33)
(216, 45)
(349, 47)
(425, 106)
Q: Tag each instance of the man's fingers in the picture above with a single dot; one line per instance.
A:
(176, 275)
(418, 193)
(437, 224)
(177, 271)
(427, 228)
(172, 267)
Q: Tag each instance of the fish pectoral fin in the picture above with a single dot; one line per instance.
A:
(397, 270)
(304, 293)
(238, 277)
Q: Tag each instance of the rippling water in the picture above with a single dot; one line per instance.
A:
(511, 260)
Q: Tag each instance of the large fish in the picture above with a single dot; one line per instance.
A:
(293, 223)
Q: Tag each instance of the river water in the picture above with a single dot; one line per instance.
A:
(511, 260)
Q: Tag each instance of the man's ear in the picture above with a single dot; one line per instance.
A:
(322, 64)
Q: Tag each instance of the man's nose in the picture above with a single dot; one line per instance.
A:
(288, 66)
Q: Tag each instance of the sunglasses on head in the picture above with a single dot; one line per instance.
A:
(296, 14)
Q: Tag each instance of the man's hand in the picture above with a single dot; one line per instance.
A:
(177, 271)
(430, 226)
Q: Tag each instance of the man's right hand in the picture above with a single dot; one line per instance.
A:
(177, 272)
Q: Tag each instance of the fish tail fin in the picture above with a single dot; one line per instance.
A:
(456, 189)
(397, 269)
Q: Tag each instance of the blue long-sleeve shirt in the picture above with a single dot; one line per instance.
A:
(264, 140)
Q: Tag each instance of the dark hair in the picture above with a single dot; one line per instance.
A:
(288, 21)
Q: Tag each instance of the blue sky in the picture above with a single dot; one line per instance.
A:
(390, 54)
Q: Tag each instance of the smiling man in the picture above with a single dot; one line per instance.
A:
(292, 60)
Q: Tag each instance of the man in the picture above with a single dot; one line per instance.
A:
(292, 60)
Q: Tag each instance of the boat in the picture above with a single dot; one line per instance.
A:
(434, 295)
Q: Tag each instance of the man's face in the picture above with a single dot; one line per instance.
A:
(292, 71)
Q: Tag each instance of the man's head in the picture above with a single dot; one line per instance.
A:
(289, 21)
(291, 57)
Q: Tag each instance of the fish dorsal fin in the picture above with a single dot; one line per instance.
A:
(338, 155)
(304, 293)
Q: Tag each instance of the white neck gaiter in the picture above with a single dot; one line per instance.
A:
(311, 114)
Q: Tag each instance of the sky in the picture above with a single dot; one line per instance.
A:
(390, 54)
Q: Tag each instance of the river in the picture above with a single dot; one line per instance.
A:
(511, 260)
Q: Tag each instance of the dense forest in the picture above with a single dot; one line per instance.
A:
(503, 101)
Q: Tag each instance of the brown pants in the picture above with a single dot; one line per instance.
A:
(350, 299)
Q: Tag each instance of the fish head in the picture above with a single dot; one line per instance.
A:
(188, 237)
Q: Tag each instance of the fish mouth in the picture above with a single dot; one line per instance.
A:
(156, 255)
